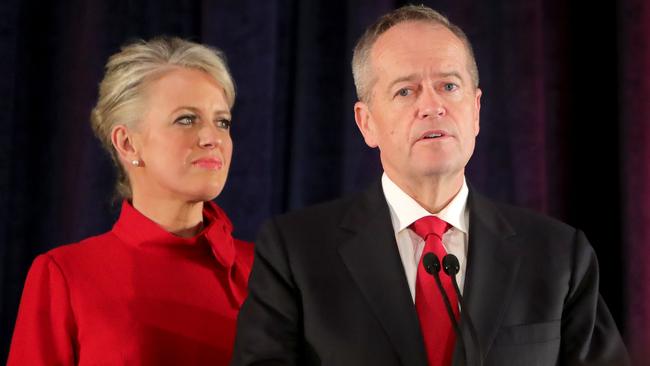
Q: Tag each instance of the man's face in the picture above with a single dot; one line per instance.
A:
(423, 112)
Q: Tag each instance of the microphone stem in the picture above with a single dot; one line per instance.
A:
(451, 315)
(472, 330)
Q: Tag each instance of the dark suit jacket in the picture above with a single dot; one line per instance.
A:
(328, 288)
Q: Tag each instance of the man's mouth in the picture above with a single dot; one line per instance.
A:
(432, 136)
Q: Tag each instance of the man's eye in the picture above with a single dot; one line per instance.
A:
(186, 120)
(450, 86)
(404, 92)
(224, 123)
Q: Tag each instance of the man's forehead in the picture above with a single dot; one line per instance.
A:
(418, 48)
(416, 34)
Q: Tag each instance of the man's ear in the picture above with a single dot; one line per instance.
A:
(477, 111)
(123, 142)
(365, 122)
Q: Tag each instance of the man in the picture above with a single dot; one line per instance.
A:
(343, 283)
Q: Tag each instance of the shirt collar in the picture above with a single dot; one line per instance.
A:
(405, 210)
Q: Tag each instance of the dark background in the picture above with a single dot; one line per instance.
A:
(565, 114)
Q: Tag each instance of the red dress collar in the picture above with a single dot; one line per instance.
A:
(136, 229)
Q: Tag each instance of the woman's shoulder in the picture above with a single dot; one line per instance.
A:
(85, 249)
(58, 266)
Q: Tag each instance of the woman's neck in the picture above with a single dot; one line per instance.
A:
(184, 219)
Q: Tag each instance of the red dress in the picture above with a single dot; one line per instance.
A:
(136, 295)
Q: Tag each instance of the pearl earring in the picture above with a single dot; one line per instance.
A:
(135, 162)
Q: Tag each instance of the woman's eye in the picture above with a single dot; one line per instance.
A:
(224, 123)
(186, 120)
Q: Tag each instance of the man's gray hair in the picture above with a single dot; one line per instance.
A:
(361, 68)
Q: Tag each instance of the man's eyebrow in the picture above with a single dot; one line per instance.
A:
(400, 79)
(411, 77)
(454, 74)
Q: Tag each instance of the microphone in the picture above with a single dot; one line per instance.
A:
(431, 264)
(451, 267)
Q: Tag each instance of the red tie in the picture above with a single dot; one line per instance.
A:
(439, 336)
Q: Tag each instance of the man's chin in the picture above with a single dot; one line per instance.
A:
(439, 170)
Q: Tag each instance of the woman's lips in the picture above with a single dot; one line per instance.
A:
(208, 163)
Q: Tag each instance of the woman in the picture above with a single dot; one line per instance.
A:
(164, 286)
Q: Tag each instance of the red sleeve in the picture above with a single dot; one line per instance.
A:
(45, 328)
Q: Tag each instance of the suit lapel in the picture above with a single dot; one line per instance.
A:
(492, 266)
(372, 258)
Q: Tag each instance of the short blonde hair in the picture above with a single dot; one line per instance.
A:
(363, 78)
(121, 92)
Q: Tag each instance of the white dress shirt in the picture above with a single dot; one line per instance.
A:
(404, 211)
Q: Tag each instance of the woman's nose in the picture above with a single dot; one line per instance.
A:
(209, 136)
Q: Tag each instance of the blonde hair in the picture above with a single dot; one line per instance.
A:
(121, 92)
(363, 80)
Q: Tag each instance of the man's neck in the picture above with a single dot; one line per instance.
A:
(432, 193)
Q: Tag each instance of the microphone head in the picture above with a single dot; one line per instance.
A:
(431, 263)
(450, 264)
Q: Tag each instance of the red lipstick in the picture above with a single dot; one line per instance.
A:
(208, 163)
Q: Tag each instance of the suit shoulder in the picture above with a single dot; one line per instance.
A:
(547, 237)
(532, 223)
(317, 223)
(526, 214)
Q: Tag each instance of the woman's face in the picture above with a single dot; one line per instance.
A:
(183, 139)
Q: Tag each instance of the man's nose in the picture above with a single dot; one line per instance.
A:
(431, 105)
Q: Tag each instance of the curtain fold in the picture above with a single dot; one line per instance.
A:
(634, 98)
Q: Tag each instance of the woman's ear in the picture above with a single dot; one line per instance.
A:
(123, 142)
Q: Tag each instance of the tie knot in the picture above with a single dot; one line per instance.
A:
(429, 225)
